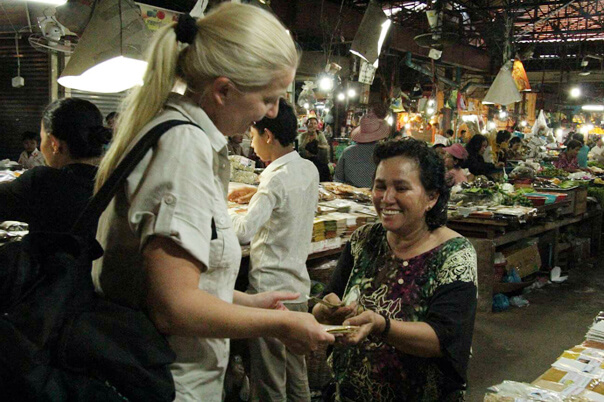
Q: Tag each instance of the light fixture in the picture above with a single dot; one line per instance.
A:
(503, 114)
(370, 36)
(575, 92)
(430, 111)
(593, 108)
(351, 93)
(503, 91)
(390, 120)
(523, 123)
(431, 102)
(306, 105)
(491, 125)
(326, 83)
(341, 96)
(407, 126)
(109, 54)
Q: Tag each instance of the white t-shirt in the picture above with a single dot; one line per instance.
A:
(32, 160)
(597, 154)
(175, 192)
(279, 223)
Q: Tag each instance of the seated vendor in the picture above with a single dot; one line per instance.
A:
(515, 149)
(476, 163)
(567, 159)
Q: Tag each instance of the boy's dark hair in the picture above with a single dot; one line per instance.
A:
(514, 140)
(29, 135)
(439, 145)
(449, 132)
(503, 136)
(284, 127)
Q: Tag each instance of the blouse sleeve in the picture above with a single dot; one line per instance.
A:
(452, 310)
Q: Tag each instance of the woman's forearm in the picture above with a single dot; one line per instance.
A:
(415, 338)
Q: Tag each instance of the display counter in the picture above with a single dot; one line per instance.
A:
(576, 375)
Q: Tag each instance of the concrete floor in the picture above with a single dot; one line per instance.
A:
(521, 343)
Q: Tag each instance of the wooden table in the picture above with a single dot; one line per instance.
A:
(485, 246)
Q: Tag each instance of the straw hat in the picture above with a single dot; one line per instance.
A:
(371, 129)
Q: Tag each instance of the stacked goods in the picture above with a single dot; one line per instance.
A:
(242, 170)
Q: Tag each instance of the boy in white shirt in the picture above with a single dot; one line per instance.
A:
(31, 157)
(279, 224)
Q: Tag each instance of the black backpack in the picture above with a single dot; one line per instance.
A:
(59, 341)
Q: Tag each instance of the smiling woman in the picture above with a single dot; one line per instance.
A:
(412, 282)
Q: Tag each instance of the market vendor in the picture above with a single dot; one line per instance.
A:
(567, 159)
(502, 145)
(583, 151)
(313, 135)
(597, 152)
(476, 163)
(455, 155)
(414, 281)
(514, 149)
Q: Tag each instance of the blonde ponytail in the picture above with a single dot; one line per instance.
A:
(143, 103)
(244, 43)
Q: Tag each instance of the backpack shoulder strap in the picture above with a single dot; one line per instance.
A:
(91, 214)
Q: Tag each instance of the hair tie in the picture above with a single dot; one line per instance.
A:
(186, 29)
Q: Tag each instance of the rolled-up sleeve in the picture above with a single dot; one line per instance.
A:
(176, 194)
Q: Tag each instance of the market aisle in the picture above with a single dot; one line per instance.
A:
(521, 343)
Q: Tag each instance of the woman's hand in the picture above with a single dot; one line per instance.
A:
(332, 315)
(242, 195)
(369, 323)
(271, 300)
(303, 334)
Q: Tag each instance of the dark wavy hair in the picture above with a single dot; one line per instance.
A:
(431, 173)
(573, 144)
(475, 144)
(284, 127)
(79, 123)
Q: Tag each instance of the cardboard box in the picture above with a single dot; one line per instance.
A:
(526, 259)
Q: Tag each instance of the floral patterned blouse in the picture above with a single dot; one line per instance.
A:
(437, 287)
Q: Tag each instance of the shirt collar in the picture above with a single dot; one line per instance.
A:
(197, 115)
(285, 159)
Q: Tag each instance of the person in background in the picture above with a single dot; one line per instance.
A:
(514, 151)
(413, 283)
(502, 146)
(475, 163)
(440, 149)
(31, 156)
(111, 121)
(567, 159)
(313, 136)
(170, 248)
(455, 156)
(51, 198)
(279, 224)
(234, 145)
(464, 137)
(597, 152)
(356, 166)
(583, 152)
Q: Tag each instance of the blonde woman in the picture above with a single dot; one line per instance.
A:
(169, 245)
